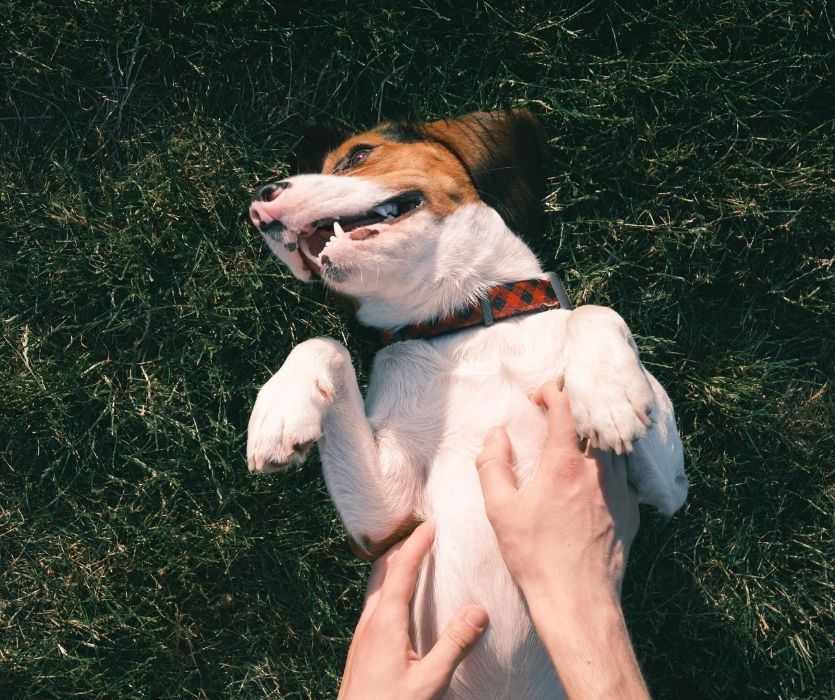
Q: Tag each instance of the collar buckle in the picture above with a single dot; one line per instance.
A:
(559, 290)
(486, 311)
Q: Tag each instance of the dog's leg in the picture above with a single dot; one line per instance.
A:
(619, 406)
(656, 465)
(611, 397)
(315, 397)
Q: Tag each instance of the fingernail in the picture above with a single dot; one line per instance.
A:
(476, 617)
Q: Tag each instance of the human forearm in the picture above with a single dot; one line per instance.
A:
(588, 643)
(565, 539)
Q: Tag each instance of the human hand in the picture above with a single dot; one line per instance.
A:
(382, 663)
(569, 531)
(565, 539)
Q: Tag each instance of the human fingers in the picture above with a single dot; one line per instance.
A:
(373, 589)
(620, 496)
(376, 580)
(379, 570)
(456, 641)
(612, 469)
(403, 565)
(495, 469)
(613, 476)
(561, 429)
(372, 597)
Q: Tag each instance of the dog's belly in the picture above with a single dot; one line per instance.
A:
(466, 565)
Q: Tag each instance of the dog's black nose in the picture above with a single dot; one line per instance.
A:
(268, 193)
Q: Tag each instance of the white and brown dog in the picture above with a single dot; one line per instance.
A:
(420, 224)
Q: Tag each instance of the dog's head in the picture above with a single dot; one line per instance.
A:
(407, 201)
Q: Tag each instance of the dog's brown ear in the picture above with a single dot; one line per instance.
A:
(505, 154)
(317, 140)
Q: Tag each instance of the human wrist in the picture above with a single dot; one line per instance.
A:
(568, 595)
(587, 640)
(580, 611)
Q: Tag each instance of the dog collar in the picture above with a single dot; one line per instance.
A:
(506, 300)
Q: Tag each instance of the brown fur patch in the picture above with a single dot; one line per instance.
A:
(421, 165)
(369, 550)
(504, 153)
(495, 157)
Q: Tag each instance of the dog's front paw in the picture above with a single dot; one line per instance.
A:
(290, 409)
(286, 421)
(611, 398)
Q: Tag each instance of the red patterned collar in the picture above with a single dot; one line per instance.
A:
(503, 301)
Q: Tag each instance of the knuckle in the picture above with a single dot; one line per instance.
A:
(552, 388)
(458, 636)
(487, 458)
(483, 459)
(549, 392)
(401, 564)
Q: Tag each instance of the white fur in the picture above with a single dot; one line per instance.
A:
(411, 448)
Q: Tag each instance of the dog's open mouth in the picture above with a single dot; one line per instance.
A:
(315, 238)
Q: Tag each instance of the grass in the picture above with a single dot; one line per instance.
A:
(691, 190)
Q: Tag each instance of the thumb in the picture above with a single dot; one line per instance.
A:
(495, 469)
(561, 428)
(457, 640)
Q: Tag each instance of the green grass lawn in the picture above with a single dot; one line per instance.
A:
(691, 189)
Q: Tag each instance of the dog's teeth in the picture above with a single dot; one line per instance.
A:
(337, 229)
(385, 210)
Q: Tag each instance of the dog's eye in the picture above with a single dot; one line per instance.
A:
(358, 157)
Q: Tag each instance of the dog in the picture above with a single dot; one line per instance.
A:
(422, 224)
